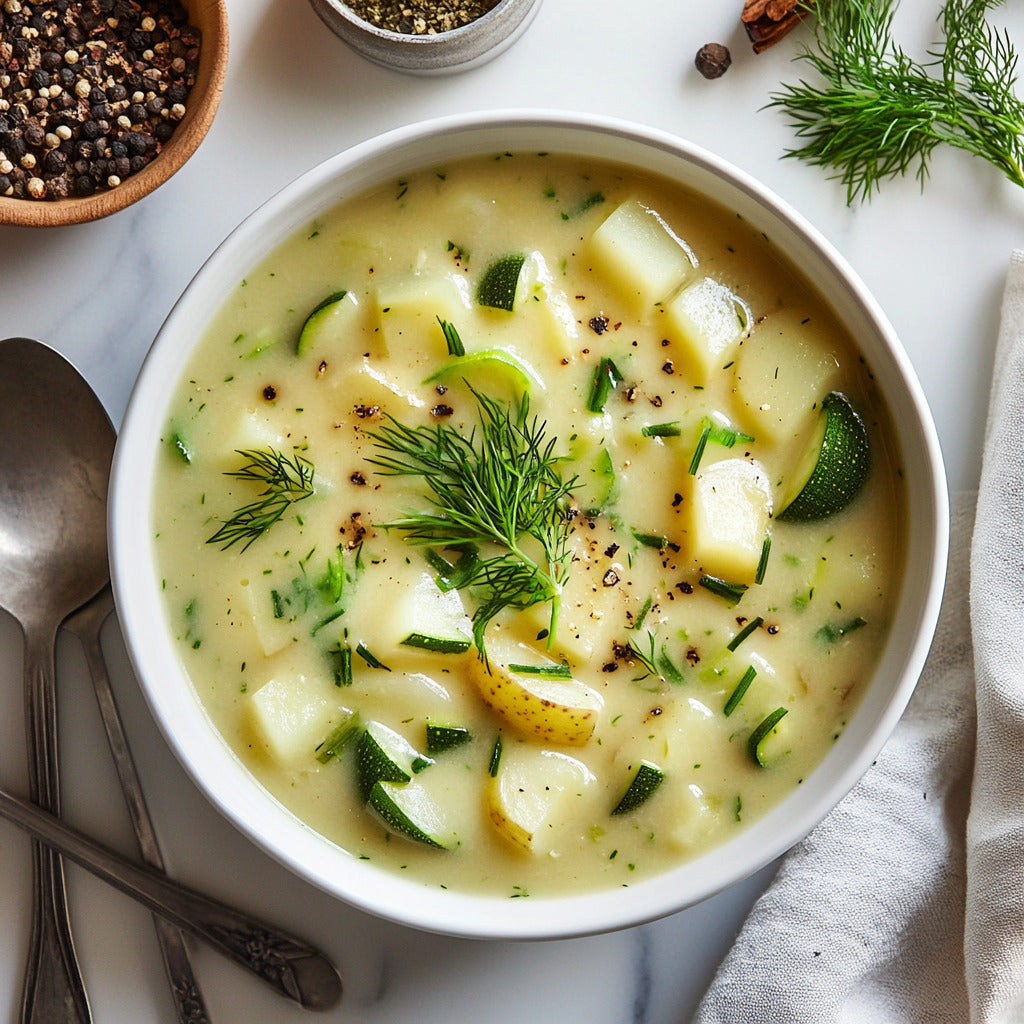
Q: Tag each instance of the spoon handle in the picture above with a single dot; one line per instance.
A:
(87, 623)
(53, 990)
(292, 967)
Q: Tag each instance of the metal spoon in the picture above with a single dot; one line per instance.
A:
(290, 966)
(53, 558)
(87, 624)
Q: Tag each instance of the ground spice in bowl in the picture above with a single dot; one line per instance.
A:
(420, 18)
(90, 91)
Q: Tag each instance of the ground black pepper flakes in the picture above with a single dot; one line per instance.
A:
(420, 17)
(96, 71)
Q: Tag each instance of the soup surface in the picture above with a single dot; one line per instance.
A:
(528, 525)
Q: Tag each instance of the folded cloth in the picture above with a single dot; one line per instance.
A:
(906, 905)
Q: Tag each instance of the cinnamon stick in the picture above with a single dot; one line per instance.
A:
(767, 21)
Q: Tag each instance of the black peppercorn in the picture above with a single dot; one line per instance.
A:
(713, 60)
(84, 185)
(55, 162)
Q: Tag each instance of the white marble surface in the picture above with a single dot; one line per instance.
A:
(99, 291)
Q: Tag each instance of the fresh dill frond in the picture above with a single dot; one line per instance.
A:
(878, 113)
(499, 486)
(285, 480)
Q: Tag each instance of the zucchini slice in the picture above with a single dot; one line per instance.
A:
(835, 466)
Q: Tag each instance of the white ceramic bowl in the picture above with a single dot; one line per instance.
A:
(206, 755)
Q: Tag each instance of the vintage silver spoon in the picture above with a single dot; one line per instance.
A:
(87, 624)
(292, 967)
(53, 558)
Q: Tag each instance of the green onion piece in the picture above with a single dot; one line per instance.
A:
(370, 658)
(834, 631)
(606, 378)
(653, 540)
(725, 436)
(278, 603)
(326, 620)
(544, 671)
(698, 452)
(437, 644)
(730, 592)
(335, 578)
(761, 733)
(177, 443)
(642, 615)
(744, 633)
(341, 662)
(453, 575)
(762, 562)
(662, 429)
(492, 766)
(338, 738)
(741, 688)
(452, 339)
(668, 668)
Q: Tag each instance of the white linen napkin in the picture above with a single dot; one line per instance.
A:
(906, 905)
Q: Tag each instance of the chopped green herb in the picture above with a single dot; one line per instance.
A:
(730, 592)
(744, 633)
(452, 339)
(607, 378)
(371, 659)
(741, 688)
(286, 481)
(761, 733)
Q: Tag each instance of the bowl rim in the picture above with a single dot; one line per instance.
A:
(219, 773)
(190, 132)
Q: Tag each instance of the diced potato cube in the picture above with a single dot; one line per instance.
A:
(782, 373)
(535, 794)
(640, 255)
(252, 430)
(291, 715)
(274, 632)
(692, 817)
(409, 308)
(707, 321)
(397, 602)
(726, 515)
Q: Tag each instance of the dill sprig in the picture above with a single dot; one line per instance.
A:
(285, 480)
(879, 113)
(500, 485)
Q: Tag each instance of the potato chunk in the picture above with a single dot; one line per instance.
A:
(730, 503)
(640, 254)
(555, 710)
(707, 321)
(291, 715)
(781, 376)
(409, 308)
(534, 793)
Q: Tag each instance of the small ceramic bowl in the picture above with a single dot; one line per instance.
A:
(151, 641)
(210, 17)
(458, 49)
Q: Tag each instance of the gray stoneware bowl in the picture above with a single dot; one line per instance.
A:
(443, 53)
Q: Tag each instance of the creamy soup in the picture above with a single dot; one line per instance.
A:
(528, 525)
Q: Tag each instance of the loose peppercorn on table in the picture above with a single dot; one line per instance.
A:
(294, 95)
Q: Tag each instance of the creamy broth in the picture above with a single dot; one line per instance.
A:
(660, 625)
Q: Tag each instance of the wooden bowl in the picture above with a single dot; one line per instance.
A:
(210, 17)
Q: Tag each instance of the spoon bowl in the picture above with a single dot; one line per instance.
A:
(57, 446)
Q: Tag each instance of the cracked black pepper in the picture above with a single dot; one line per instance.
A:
(90, 91)
(423, 18)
